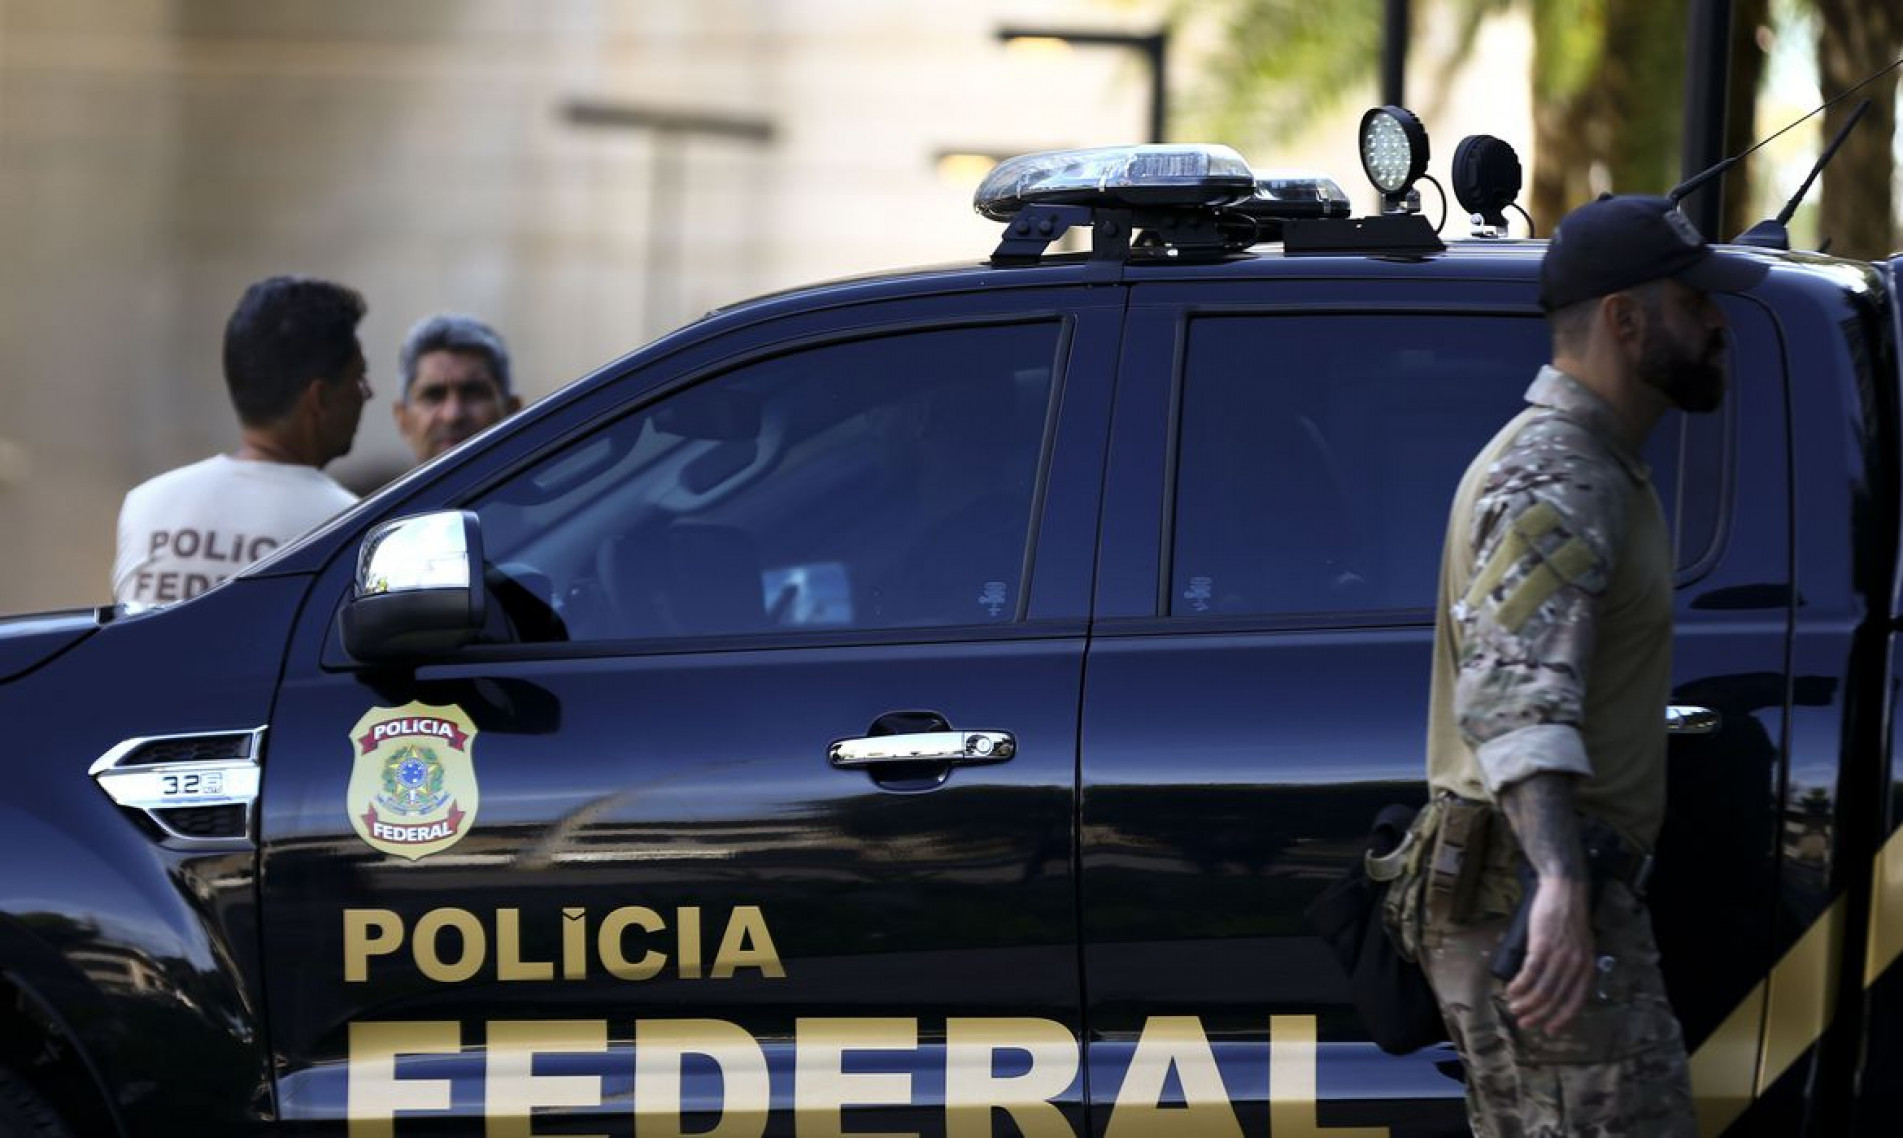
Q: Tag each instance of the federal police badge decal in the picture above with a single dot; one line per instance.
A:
(413, 787)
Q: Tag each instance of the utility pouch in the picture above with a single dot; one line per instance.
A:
(1404, 909)
(1389, 990)
(1459, 860)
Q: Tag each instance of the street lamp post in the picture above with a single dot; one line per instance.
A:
(1394, 54)
(1153, 47)
(1707, 76)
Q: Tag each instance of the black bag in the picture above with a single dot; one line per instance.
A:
(1390, 993)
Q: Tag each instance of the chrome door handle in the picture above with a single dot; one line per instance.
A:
(1684, 720)
(924, 747)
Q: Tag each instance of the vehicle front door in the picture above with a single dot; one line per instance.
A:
(646, 896)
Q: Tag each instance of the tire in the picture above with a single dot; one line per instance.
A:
(24, 1113)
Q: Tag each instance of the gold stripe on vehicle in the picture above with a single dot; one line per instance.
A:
(1803, 995)
(1773, 1026)
(1725, 1067)
(1886, 910)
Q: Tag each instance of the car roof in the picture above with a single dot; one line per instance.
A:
(1501, 259)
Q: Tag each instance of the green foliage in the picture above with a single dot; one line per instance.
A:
(1568, 36)
(1283, 62)
(1606, 82)
(1607, 86)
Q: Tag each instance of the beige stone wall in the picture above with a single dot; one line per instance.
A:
(158, 155)
(88, 309)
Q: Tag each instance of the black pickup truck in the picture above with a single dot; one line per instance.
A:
(927, 704)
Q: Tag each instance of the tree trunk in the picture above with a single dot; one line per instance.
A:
(1568, 41)
(1619, 113)
(1858, 214)
(1644, 83)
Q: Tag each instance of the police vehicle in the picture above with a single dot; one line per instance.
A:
(926, 705)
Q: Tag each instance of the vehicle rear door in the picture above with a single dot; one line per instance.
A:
(668, 910)
(1866, 343)
(1256, 691)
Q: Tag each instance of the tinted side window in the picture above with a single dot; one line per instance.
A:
(1696, 489)
(881, 483)
(1317, 455)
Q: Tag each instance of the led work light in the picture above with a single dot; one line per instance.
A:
(1486, 177)
(1393, 153)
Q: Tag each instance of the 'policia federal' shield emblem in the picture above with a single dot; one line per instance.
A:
(413, 786)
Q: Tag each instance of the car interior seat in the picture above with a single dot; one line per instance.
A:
(682, 578)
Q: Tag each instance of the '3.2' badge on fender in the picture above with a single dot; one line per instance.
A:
(413, 787)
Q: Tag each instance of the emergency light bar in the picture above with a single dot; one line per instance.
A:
(1176, 175)
(1158, 201)
(1296, 193)
(1129, 177)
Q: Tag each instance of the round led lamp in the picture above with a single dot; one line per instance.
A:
(1486, 177)
(1393, 150)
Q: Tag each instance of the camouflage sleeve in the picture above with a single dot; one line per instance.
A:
(1545, 529)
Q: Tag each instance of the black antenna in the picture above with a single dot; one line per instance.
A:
(1696, 180)
(1790, 207)
(1772, 234)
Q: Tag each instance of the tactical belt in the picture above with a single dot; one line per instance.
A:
(1610, 855)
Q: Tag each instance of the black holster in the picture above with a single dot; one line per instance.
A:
(1609, 857)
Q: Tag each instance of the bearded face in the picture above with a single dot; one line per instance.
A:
(1682, 357)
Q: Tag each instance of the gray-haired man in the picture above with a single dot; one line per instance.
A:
(455, 383)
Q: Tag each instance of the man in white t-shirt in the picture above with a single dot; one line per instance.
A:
(295, 371)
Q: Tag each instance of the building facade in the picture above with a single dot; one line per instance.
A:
(158, 155)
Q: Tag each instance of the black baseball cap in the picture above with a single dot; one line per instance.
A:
(1617, 242)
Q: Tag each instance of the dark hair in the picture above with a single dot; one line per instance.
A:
(285, 332)
(1573, 324)
(453, 332)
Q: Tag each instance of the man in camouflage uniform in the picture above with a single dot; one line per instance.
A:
(1551, 674)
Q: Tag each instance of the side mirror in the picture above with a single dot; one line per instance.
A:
(419, 588)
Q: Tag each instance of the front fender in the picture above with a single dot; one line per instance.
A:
(123, 944)
(141, 946)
